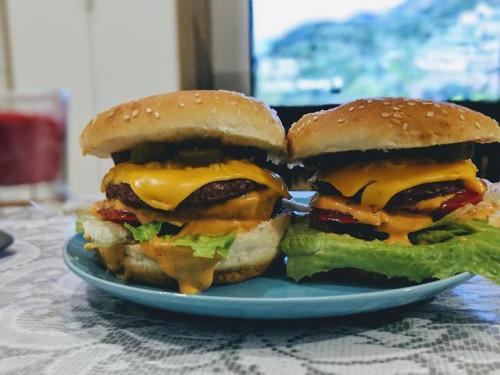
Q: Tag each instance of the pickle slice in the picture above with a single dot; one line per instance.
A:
(120, 157)
(199, 157)
(150, 152)
(440, 153)
(193, 156)
(451, 152)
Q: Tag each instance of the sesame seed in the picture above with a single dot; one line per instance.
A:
(396, 108)
(369, 101)
(411, 103)
(405, 126)
(216, 97)
(462, 117)
(149, 110)
(426, 103)
(157, 114)
(315, 118)
(233, 102)
(308, 122)
(198, 101)
(385, 114)
(135, 113)
(126, 117)
(430, 114)
(395, 121)
(397, 115)
(351, 109)
(341, 120)
(361, 107)
(461, 110)
(386, 103)
(197, 94)
(436, 105)
(478, 125)
(111, 113)
(445, 112)
(214, 110)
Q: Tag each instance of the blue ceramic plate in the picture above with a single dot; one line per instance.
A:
(265, 297)
(5, 240)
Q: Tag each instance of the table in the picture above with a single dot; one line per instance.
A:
(51, 322)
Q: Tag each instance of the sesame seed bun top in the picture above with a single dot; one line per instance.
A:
(388, 123)
(230, 117)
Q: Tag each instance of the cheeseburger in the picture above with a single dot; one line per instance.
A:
(396, 191)
(190, 200)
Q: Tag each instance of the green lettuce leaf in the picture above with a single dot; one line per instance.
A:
(442, 250)
(207, 246)
(79, 227)
(203, 246)
(144, 232)
(80, 220)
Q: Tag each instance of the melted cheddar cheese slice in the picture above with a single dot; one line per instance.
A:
(166, 185)
(382, 179)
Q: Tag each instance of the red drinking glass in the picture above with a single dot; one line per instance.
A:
(32, 146)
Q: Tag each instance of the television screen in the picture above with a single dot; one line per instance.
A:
(315, 52)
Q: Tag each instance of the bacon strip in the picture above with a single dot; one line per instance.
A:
(460, 199)
(117, 216)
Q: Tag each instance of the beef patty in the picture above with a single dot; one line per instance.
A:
(425, 191)
(362, 231)
(209, 194)
(403, 198)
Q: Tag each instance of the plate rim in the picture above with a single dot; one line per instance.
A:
(456, 279)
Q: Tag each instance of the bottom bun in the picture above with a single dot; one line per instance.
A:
(249, 256)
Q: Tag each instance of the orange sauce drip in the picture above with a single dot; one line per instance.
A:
(193, 274)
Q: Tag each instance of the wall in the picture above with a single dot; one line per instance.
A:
(230, 40)
(103, 51)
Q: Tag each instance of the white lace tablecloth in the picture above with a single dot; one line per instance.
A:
(51, 322)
